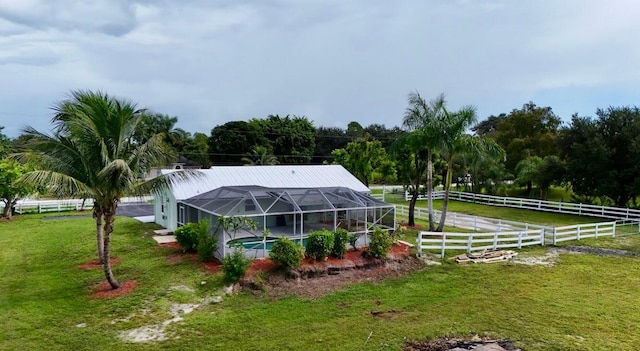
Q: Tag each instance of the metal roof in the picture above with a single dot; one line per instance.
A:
(281, 176)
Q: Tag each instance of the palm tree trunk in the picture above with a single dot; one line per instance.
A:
(98, 214)
(430, 189)
(109, 218)
(445, 201)
(412, 207)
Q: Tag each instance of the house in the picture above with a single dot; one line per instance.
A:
(281, 200)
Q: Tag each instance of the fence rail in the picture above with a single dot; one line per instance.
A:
(514, 239)
(479, 241)
(540, 205)
(42, 206)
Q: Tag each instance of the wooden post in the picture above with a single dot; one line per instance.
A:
(444, 239)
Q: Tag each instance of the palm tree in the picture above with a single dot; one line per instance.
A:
(459, 144)
(92, 153)
(425, 121)
(260, 156)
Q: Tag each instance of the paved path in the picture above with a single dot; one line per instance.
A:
(135, 209)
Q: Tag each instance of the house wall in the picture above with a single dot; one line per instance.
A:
(165, 210)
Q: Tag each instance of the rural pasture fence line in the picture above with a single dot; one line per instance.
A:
(62, 205)
(472, 222)
(515, 239)
(479, 241)
(539, 205)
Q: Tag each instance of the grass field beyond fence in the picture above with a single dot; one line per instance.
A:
(584, 302)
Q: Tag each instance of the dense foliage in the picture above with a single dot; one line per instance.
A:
(340, 238)
(286, 253)
(380, 243)
(235, 266)
(319, 244)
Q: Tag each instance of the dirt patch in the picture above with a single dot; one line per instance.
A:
(212, 267)
(173, 245)
(599, 251)
(104, 290)
(459, 344)
(95, 264)
(313, 279)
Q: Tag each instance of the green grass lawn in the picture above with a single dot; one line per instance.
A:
(584, 302)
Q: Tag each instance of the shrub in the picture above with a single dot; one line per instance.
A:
(319, 244)
(380, 243)
(235, 265)
(207, 245)
(286, 253)
(340, 238)
(353, 239)
(187, 236)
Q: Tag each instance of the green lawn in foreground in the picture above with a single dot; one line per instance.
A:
(584, 302)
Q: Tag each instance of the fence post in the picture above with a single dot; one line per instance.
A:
(578, 232)
(469, 242)
(444, 239)
(554, 236)
(613, 232)
(499, 224)
(596, 230)
(419, 242)
(475, 223)
(519, 240)
(39, 208)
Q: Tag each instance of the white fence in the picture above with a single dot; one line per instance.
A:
(472, 222)
(512, 239)
(41, 206)
(479, 241)
(540, 205)
(582, 231)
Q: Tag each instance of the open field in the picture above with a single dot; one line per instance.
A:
(583, 302)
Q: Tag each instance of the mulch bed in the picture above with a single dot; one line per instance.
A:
(104, 290)
(95, 264)
(179, 256)
(474, 343)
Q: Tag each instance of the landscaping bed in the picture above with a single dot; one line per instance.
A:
(313, 279)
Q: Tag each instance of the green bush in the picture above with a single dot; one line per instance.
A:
(286, 253)
(207, 245)
(319, 244)
(187, 236)
(340, 238)
(380, 243)
(235, 265)
(353, 239)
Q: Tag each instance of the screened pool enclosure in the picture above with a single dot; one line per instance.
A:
(292, 212)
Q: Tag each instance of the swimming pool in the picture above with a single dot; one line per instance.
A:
(254, 243)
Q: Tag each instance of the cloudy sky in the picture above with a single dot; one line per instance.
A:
(334, 61)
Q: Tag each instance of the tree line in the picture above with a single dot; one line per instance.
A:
(596, 156)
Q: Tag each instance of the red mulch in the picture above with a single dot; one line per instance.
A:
(263, 264)
(104, 290)
(174, 245)
(95, 264)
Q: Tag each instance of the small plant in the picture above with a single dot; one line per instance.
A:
(353, 239)
(187, 236)
(380, 243)
(319, 244)
(340, 238)
(235, 265)
(207, 245)
(286, 253)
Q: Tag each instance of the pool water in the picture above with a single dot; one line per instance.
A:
(254, 243)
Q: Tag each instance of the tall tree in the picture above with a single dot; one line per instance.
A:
(455, 143)
(603, 154)
(366, 159)
(292, 139)
(11, 190)
(328, 139)
(529, 131)
(260, 156)
(425, 120)
(93, 153)
(196, 149)
(231, 141)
